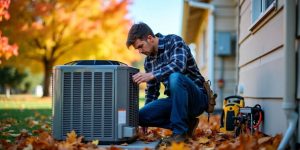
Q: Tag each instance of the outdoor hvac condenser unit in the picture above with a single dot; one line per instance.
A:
(97, 99)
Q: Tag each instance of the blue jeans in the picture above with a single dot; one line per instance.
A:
(186, 101)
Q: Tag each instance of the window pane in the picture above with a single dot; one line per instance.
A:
(268, 3)
(256, 9)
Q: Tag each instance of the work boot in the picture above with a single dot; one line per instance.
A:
(193, 124)
(175, 138)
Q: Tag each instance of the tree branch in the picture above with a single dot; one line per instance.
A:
(66, 48)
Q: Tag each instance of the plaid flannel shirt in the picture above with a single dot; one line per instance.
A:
(173, 56)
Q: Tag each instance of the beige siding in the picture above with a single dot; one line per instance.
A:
(225, 15)
(245, 20)
(224, 3)
(229, 77)
(274, 117)
(225, 24)
(261, 65)
(228, 64)
(264, 77)
(269, 37)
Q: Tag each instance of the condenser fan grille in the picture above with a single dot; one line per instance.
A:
(88, 104)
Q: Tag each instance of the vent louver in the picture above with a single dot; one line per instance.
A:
(76, 95)
(133, 102)
(86, 98)
(66, 111)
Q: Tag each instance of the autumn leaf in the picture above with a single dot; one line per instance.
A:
(203, 140)
(264, 139)
(178, 146)
(95, 142)
(71, 137)
(208, 140)
(166, 132)
(65, 146)
(6, 50)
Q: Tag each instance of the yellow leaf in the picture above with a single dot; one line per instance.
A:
(178, 146)
(71, 137)
(36, 114)
(95, 142)
(203, 140)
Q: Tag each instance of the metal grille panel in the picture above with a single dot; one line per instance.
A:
(88, 104)
(133, 102)
(98, 104)
(66, 105)
(108, 103)
(76, 90)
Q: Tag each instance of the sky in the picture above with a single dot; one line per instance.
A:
(163, 16)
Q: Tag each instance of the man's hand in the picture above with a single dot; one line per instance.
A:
(142, 77)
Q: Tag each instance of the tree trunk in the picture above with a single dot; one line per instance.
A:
(47, 72)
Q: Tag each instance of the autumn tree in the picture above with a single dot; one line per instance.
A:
(6, 50)
(51, 32)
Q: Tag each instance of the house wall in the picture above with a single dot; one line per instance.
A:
(261, 62)
(201, 43)
(225, 66)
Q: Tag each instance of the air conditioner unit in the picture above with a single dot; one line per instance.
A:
(97, 99)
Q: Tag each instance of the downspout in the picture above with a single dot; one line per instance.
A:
(237, 51)
(289, 99)
(211, 34)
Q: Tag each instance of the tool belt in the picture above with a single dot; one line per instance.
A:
(211, 96)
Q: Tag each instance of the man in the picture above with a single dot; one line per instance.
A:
(168, 60)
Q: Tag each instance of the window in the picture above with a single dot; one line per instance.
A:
(260, 8)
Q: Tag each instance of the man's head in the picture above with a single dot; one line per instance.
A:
(141, 37)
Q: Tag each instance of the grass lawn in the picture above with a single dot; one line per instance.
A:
(25, 113)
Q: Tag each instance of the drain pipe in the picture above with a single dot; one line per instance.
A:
(211, 34)
(289, 99)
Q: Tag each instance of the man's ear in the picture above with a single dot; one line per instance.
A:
(150, 38)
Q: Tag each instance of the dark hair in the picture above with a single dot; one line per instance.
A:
(138, 31)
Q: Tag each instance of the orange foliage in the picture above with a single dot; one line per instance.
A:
(53, 33)
(6, 50)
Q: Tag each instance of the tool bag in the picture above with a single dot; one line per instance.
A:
(211, 96)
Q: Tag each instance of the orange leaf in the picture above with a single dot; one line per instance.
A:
(263, 140)
(178, 146)
(71, 137)
(167, 132)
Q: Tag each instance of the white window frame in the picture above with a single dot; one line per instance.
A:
(259, 9)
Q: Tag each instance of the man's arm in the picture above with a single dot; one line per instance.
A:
(177, 63)
(152, 89)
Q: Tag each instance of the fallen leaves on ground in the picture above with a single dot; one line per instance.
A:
(207, 136)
